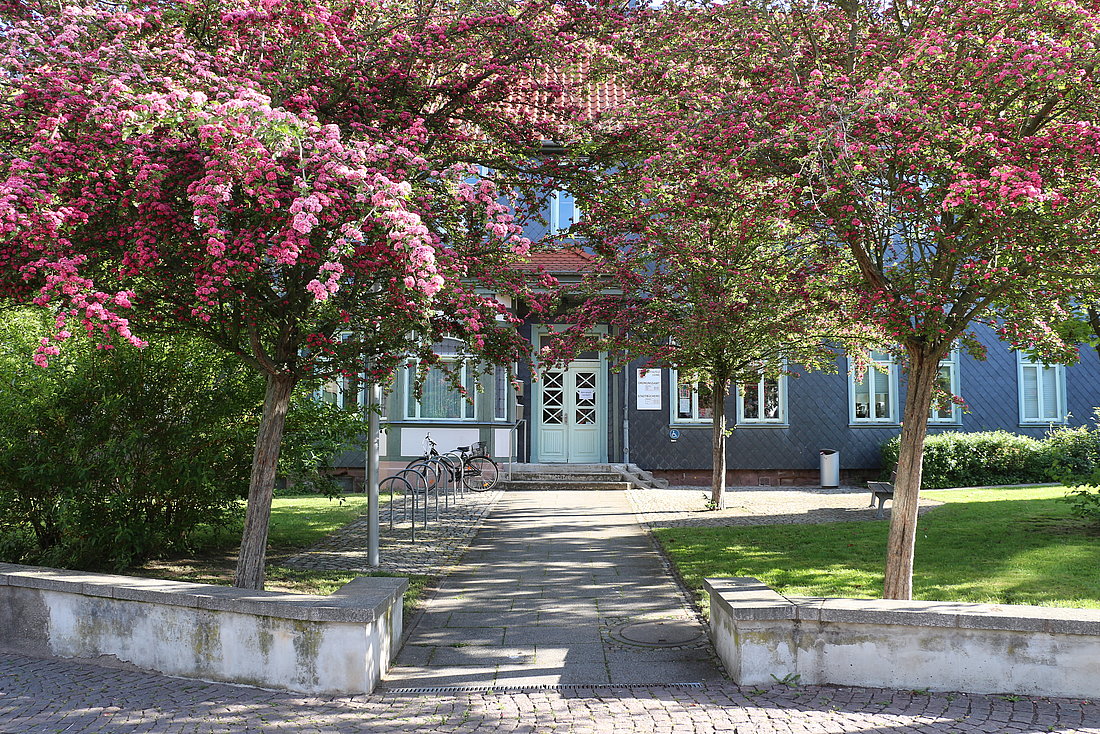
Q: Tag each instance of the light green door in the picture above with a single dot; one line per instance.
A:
(572, 408)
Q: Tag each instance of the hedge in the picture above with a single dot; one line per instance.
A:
(999, 457)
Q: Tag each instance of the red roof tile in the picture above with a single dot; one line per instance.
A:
(569, 260)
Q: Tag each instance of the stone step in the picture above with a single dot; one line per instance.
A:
(566, 476)
(536, 485)
(642, 478)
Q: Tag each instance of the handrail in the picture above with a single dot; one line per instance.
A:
(513, 446)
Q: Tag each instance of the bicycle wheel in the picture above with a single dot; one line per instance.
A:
(451, 463)
(429, 470)
(480, 473)
(417, 460)
(416, 476)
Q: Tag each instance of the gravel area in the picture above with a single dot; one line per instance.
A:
(435, 547)
(687, 506)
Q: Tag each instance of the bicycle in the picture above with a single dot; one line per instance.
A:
(468, 466)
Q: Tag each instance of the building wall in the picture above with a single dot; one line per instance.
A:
(818, 418)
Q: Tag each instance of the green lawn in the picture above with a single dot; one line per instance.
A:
(297, 522)
(1009, 546)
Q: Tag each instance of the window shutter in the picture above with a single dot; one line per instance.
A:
(1050, 393)
(1030, 387)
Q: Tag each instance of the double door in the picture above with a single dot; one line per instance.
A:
(572, 415)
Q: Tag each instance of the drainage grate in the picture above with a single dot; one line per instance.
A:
(490, 688)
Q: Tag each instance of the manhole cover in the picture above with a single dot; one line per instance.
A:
(669, 633)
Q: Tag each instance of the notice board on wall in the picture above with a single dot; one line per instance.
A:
(649, 389)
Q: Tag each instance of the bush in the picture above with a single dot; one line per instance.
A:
(108, 457)
(998, 457)
(1085, 503)
(1074, 454)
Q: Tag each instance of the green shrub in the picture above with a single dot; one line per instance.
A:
(1074, 454)
(977, 459)
(108, 457)
(1066, 455)
(1085, 502)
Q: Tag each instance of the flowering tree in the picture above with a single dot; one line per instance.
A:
(696, 277)
(949, 149)
(291, 180)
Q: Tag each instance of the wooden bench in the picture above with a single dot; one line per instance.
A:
(882, 491)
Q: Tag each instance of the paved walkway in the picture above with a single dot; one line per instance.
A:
(557, 588)
(543, 594)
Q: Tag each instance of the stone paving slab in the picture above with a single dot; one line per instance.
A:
(574, 565)
(48, 696)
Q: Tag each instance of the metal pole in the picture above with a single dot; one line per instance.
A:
(373, 400)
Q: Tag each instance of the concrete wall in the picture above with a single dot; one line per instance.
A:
(313, 644)
(762, 636)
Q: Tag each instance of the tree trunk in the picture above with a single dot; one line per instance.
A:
(924, 369)
(718, 444)
(269, 439)
(1094, 322)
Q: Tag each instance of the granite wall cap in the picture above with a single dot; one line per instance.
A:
(46, 579)
(362, 600)
(807, 607)
(748, 598)
(373, 585)
(890, 611)
(1026, 618)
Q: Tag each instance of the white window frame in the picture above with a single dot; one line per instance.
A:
(564, 212)
(951, 361)
(674, 391)
(467, 378)
(502, 383)
(1043, 373)
(887, 365)
(780, 419)
(339, 386)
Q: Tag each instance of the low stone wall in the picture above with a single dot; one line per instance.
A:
(313, 644)
(763, 637)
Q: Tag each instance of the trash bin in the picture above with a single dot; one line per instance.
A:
(830, 468)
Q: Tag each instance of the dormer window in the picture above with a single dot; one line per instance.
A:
(563, 212)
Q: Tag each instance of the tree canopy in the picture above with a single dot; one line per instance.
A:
(295, 181)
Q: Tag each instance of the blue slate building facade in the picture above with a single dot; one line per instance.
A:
(587, 412)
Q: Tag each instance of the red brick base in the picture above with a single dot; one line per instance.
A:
(764, 477)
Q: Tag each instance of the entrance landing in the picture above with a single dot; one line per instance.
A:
(558, 588)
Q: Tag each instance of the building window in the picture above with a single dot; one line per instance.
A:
(563, 212)
(948, 381)
(1042, 391)
(692, 401)
(764, 401)
(349, 392)
(440, 399)
(874, 394)
(502, 393)
(345, 391)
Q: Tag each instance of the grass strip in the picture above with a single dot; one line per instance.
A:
(1005, 546)
(298, 521)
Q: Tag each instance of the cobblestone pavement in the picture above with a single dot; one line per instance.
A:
(437, 544)
(49, 696)
(686, 506)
